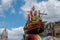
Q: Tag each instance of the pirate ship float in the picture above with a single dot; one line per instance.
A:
(34, 26)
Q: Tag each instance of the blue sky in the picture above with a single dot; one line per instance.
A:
(13, 14)
(13, 19)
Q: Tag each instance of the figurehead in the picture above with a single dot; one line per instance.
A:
(34, 23)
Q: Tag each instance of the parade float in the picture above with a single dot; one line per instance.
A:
(34, 28)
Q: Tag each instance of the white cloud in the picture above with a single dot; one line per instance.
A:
(20, 12)
(13, 11)
(6, 3)
(14, 33)
(52, 8)
(28, 5)
(1, 12)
